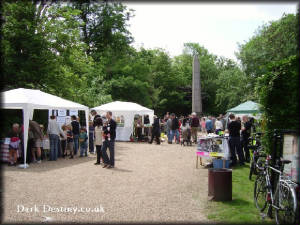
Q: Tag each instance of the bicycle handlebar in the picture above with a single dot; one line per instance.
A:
(285, 131)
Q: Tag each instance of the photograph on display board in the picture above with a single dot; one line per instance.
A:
(119, 120)
(213, 147)
(291, 152)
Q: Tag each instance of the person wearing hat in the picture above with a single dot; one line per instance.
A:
(155, 131)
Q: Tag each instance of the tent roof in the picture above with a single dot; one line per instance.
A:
(119, 106)
(18, 98)
(246, 107)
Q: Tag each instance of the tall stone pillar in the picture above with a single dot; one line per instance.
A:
(196, 87)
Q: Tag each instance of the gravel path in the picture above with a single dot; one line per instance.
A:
(150, 183)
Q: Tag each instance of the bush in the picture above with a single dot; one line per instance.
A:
(278, 92)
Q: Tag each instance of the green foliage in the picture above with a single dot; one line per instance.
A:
(27, 61)
(272, 42)
(222, 81)
(81, 51)
(104, 28)
(279, 94)
(270, 61)
(232, 85)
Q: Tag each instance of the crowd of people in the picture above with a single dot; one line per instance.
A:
(70, 139)
(65, 141)
(185, 129)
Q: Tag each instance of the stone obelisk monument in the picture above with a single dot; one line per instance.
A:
(196, 88)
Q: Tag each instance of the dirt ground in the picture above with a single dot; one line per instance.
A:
(150, 183)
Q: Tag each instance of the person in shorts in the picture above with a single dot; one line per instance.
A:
(70, 141)
(37, 140)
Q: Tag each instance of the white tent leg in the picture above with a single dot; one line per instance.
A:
(26, 114)
(87, 127)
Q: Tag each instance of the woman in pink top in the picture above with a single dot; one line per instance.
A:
(203, 129)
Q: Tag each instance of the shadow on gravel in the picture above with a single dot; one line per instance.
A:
(50, 165)
(121, 170)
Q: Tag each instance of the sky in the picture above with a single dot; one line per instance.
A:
(219, 27)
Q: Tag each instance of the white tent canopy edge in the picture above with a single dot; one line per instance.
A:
(128, 110)
(29, 99)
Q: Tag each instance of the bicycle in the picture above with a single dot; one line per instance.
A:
(285, 199)
(257, 153)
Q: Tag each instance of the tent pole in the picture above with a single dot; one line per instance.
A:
(26, 115)
(87, 128)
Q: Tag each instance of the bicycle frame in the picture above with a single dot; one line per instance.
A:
(282, 180)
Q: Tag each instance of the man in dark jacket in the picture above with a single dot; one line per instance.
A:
(109, 130)
(234, 128)
(175, 128)
(155, 131)
(76, 130)
(246, 131)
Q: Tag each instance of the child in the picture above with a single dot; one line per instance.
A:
(105, 133)
(14, 144)
(70, 140)
(83, 142)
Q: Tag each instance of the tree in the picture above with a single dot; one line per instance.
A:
(272, 42)
(232, 88)
(104, 27)
(27, 60)
(278, 92)
(208, 73)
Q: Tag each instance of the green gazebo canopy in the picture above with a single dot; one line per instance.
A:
(246, 107)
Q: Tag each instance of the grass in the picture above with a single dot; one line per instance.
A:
(242, 207)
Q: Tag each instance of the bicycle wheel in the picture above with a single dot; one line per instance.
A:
(260, 192)
(285, 200)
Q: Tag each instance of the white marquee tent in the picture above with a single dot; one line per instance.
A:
(29, 99)
(128, 110)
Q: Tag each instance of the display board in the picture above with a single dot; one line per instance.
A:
(291, 152)
(62, 116)
(213, 147)
(119, 120)
(73, 112)
(62, 112)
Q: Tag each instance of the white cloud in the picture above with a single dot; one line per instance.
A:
(218, 27)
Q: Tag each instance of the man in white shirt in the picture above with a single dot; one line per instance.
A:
(218, 125)
(54, 131)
